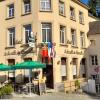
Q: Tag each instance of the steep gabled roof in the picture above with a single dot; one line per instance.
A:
(94, 28)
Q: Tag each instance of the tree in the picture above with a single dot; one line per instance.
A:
(98, 8)
(94, 7)
(92, 4)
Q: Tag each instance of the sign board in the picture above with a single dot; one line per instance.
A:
(42, 88)
(32, 40)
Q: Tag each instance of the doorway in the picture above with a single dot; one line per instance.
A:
(49, 73)
(27, 71)
(11, 74)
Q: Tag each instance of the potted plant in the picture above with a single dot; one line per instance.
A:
(6, 92)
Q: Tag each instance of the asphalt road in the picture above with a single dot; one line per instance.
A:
(59, 96)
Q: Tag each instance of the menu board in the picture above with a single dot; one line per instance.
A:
(42, 88)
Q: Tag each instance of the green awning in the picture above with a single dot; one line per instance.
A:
(4, 67)
(29, 65)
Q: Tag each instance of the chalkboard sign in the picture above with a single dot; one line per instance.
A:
(42, 88)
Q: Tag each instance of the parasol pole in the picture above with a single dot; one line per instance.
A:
(30, 82)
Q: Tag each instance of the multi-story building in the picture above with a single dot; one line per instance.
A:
(93, 55)
(64, 23)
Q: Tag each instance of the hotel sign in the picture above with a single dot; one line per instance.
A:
(73, 52)
(16, 52)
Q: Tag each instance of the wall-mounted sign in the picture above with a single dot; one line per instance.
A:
(73, 52)
(31, 41)
(16, 52)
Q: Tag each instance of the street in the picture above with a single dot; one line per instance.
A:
(59, 96)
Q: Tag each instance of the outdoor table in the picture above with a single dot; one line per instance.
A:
(32, 86)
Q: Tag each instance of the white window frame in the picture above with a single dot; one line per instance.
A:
(61, 8)
(82, 39)
(62, 34)
(94, 60)
(50, 29)
(26, 31)
(74, 40)
(28, 6)
(63, 70)
(12, 37)
(10, 13)
(74, 67)
(46, 7)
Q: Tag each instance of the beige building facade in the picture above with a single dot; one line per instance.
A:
(93, 53)
(64, 23)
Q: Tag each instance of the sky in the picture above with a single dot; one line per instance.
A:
(85, 1)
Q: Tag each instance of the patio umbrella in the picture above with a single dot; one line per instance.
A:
(29, 65)
(4, 67)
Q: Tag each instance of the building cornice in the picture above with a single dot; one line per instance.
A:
(81, 4)
(90, 15)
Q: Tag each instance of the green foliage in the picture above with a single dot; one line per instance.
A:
(6, 90)
(92, 5)
(77, 83)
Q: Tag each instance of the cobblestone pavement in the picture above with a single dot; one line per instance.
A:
(59, 96)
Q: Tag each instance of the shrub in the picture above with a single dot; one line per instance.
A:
(77, 83)
(7, 90)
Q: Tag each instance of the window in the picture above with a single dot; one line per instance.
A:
(61, 8)
(94, 60)
(82, 39)
(95, 77)
(81, 17)
(45, 5)
(63, 69)
(10, 11)
(74, 68)
(72, 13)
(46, 32)
(93, 42)
(62, 34)
(83, 67)
(11, 73)
(11, 37)
(27, 6)
(27, 30)
(73, 33)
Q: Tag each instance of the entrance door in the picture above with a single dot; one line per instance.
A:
(11, 74)
(49, 75)
(27, 71)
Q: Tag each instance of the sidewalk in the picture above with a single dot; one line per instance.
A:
(24, 95)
